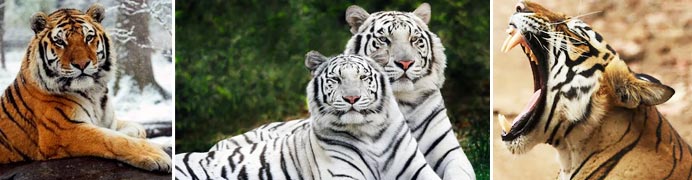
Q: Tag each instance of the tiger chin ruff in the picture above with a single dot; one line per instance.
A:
(58, 105)
(356, 132)
(599, 115)
(415, 67)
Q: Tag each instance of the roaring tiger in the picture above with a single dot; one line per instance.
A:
(416, 63)
(598, 114)
(356, 132)
(58, 105)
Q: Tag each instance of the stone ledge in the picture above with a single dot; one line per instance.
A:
(77, 168)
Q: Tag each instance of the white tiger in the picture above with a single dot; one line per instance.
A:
(416, 63)
(356, 132)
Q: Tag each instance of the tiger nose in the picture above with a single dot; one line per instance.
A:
(404, 64)
(351, 99)
(81, 66)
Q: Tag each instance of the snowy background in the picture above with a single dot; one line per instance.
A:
(147, 105)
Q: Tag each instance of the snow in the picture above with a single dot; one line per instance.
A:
(145, 107)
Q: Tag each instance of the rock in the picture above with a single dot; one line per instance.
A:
(77, 168)
(158, 129)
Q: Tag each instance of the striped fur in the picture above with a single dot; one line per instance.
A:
(367, 139)
(58, 105)
(598, 114)
(403, 36)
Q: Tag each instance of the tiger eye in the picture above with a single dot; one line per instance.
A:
(383, 39)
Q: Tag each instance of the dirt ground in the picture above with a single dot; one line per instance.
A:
(653, 36)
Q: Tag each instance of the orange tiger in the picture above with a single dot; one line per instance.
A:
(599, 115)
(58, 105)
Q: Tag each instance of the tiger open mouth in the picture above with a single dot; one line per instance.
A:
(530, 115)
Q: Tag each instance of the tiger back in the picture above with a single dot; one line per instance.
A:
(598, 114)
(356, 132)
(58, 105)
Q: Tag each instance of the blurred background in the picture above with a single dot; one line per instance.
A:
(652, 36)
(141, 31)
(239, 64)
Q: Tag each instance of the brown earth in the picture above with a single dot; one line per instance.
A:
(652, 36)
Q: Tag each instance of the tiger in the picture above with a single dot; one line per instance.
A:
(599, 115)
(356, 132)
(415, 67)
(58, 105)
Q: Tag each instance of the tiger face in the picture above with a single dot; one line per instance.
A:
(415, 55)
(348, 87)
(72, 51)
(567, 59)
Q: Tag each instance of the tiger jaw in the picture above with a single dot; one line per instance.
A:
(81, 82)
(526, 121)
(402, 84)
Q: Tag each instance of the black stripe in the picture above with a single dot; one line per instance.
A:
(556, 98)
(357, 44)
(62, 113)
(284, 169)
(9, 115)
(107, 64)
(21, 98)
(437, 141)
(347, 146)
(415, 175)
(439, 162)
(186, 161)
(350, 164)
(242, 175)
(658, 130)
(427, 120)
(340, 175)
(406, 165)
(265, 167)
(582, 164)
(45, 60)
(607, 166)
(10, 98)
(552, 134)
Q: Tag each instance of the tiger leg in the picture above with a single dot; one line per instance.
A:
(131, 129)
(87, 140)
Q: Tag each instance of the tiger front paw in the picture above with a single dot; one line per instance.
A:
(132, 129)
(152, 159)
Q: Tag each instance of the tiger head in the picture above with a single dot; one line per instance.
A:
(347, 91)
(577, 78)
(416, 58)
(70, 51)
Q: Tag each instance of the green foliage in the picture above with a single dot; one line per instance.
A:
(239, 64)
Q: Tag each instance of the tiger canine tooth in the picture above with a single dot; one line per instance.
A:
(512, 41)
(504, 123)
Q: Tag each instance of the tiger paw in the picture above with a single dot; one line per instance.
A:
(132, 129)
(153, 158)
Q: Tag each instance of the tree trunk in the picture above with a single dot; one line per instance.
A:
(134, 51)
(2, 33)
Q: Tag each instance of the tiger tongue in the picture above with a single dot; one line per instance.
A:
(532, 104)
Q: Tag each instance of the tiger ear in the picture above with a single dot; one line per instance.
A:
(38, 22)
(355, 16)
(423, 12)
(630, 90)
(313, 60)
(96, 12)
(381, 56)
